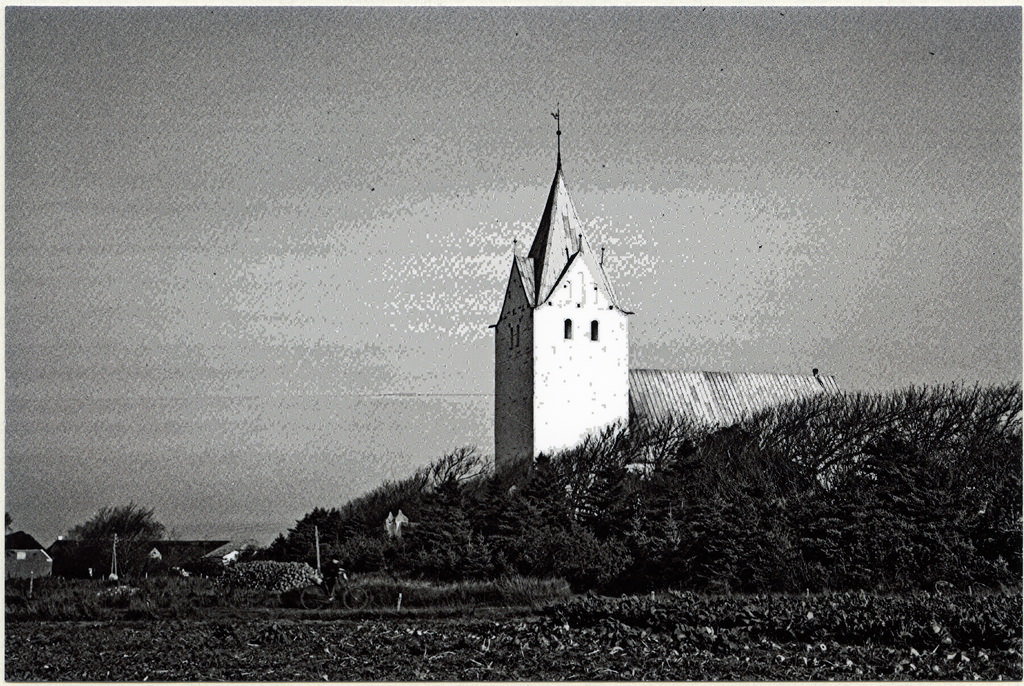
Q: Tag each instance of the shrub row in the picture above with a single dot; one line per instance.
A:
(254, 586)
(509, 591)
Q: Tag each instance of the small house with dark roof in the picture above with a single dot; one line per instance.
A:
(561, 352)
(25, 558)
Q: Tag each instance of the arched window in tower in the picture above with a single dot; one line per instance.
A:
(568, 329)
(511, 337)
(518, 340)
(593, 330)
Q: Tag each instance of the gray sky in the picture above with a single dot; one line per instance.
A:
(229, 230)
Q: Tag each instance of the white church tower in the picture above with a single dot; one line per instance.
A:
(561, 344)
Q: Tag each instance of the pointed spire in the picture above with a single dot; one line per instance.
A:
(558, 237)
(558, 133)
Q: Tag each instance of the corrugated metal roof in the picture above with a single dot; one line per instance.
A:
(717, 398)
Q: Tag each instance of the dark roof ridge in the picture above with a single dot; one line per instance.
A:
(19, 540)
(731, 373)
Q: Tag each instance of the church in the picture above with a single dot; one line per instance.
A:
(561, 352)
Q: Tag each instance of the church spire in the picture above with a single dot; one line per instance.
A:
(560, 233)
(559, 238)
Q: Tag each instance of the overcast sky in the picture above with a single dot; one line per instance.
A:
(231, 232)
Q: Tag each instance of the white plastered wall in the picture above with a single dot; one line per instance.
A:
(580, 385)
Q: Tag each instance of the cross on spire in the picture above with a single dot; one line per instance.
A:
(558, 132)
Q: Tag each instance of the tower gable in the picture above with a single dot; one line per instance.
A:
(518, 293)
(578, 286)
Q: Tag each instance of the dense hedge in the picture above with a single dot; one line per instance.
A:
(918, 489)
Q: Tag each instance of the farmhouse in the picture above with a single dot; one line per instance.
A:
(24, 557)
(561, 352)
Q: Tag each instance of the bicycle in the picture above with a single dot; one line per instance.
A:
(324, 594)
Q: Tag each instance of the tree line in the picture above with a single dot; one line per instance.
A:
(910, 489)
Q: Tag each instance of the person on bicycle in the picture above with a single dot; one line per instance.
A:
(333, 571)
(334, 588)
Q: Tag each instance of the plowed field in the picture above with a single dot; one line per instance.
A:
(404, 649)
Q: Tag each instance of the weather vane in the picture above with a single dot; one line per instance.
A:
(558, 132)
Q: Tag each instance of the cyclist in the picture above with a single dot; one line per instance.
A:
(334, 587)
(332, 572)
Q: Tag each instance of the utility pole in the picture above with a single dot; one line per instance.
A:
(316, 534)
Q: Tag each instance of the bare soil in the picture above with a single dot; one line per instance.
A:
(504, 646)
